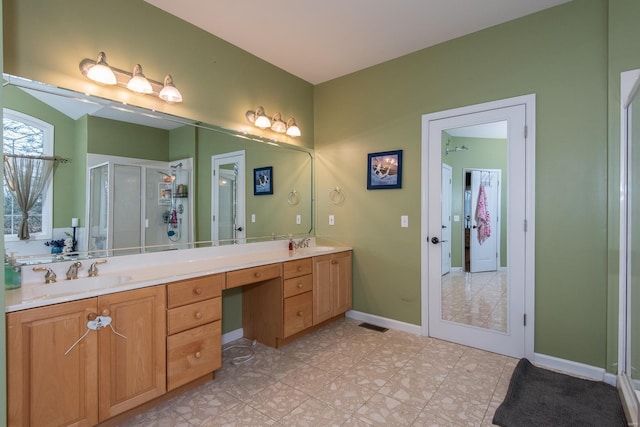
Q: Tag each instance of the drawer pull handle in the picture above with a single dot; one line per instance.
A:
(198, 355)
(299, 285)
(333, 261)
(198, 315)
(257, 274)
(92, 316)
(197, 291)
(299, 314)
(106, 312)
(299, 268)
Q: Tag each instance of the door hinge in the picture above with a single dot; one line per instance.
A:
(524, 320)
(214, 172)
(525, 225)
(526, 132)
(214, 218)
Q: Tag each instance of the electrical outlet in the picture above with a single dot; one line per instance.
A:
(253, 217)
(404, 221)
(298, 219)
(332, 220)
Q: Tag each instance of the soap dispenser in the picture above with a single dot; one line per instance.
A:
(290, 242)
(12, 272)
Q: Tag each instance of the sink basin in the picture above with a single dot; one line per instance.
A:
(314, 249)
(72, 287)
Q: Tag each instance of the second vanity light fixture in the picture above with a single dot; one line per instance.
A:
(100, 72)
(259, 118)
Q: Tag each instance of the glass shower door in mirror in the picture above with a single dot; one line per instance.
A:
(228, 198)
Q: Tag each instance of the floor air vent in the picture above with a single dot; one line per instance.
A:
(373, 327)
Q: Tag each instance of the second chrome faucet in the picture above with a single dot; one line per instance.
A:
(72, 272)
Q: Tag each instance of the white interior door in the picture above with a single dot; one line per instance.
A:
(446, 218)
(485, 215)
(441, 293)
(228, 198)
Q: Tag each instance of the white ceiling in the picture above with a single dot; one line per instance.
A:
(319, 40)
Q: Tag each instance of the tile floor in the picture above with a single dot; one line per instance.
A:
(477, 299)
(346, 375)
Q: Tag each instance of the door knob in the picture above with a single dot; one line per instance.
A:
(435, 240)
(239, 229)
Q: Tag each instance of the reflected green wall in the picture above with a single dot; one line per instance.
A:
(3, 347)
(560, 55)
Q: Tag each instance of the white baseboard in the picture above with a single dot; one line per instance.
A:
(232, 336)
(574, 368)
(384, 322)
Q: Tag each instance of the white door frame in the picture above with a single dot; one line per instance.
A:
(529, 224)
(239, 158)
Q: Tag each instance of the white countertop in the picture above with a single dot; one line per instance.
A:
(137, 271)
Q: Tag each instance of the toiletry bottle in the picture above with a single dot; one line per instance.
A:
(290, 243)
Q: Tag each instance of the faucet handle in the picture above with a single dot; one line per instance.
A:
(49, 276)
(93, 270)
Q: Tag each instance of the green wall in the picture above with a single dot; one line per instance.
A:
(3, 347)
(560, 55)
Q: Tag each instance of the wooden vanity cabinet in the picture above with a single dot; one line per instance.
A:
(194, 347)
(332, 282)
(297, 295)
(102, 376)
(45, 387)
(132, 370)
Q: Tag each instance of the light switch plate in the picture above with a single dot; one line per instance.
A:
(298, 219)
(404, 221)
(456, 218)
(253, 217)
(332, 220)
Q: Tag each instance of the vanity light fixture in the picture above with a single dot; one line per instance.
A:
(100, 72)
(169, 92)
(259, 118)
(139, 83)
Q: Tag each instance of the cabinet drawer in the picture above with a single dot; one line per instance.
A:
(297, 313)
(297, 285)
(297, 268)
(253, 275)
(193, 290)
(192, 354)
(189, 316)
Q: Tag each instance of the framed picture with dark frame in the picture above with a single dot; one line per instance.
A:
(384, 170)
(263, 181)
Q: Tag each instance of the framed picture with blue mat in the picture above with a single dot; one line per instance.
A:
(263, 181)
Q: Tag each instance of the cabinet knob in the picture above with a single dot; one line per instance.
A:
(198, 315)
(333, 261)
(198, 355)
(257, 274)
(92, 316)
(197, 291)
(299, 314)
(299, 285)
(299, 268)
(106, 312)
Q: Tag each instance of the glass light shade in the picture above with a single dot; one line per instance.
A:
(278, 125)
(169, 93)
(101, 72)
(139, 83)
(262, 121)
(292, 128)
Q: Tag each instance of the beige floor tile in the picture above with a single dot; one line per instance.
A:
(241, 416)
(312, 413)
(276, 400)
(383, 410)
(308, 379)
(345, 395)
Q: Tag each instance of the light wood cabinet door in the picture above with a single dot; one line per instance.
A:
(322, 289)
(332, 282)
(132, 370)
(297, 313)
(45, 386)
(341, 277)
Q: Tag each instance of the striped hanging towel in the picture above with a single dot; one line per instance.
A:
(483, 218)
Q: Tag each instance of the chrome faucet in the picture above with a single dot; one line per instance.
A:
(72, 272)
(49, 276)
(93, 270)
(302, 243)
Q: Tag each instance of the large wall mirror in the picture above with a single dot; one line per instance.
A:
(147, 179)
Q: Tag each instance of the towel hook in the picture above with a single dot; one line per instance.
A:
(336, 196)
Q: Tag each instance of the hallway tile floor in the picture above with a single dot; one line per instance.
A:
(345, 375)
